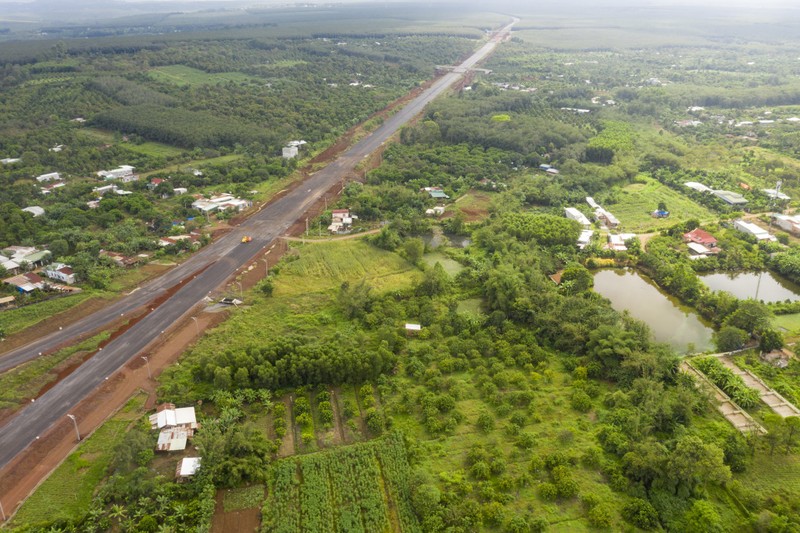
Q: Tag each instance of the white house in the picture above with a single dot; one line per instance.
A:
(341, 221)
(699, 187)
(751, 229)
(167, 416)
(592, 203)
(698, 251)
(52, 176)
(289, 152)
(585, 238)
(10, 160)
(60, 272)
(729, 197)
(123, 172)
(573, 214)
(790, 223)
(775, 194)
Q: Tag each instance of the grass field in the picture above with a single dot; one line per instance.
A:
(789, 323)
(183, 75)
(638, 200)
(325, 266)
(194, 163)
(146, 148)
(66, 494)
(14, 320)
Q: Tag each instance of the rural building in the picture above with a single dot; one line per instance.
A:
(606, 217)
(10, 160)
(221, 202)
(731, 198)
(26, 255)
(289, 152)
(60, 272)
(187, 467)
(173, 439)
(47, 189)
(592, 203)
(776, 194)
(341, 221)
(193, 238)
(124, 173)
(180, 190)
(751, 229)
(580, 218)
(9, 265)
(100, 191)
(699, 187)
(25, 283)
(167, 418)
(437, 211)
(617, 242)
(120, 259)
(702, 237)
(52, 176)
(412, 329)
(34, 210)
(435, 192)
(790, 223)
(698, 251)
(659, 213)
(585, 238)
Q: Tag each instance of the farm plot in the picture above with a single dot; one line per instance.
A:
(637, 202)
(359, 488)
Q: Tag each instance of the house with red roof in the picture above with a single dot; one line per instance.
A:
(702, 237)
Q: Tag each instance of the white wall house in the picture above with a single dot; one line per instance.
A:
(756, 231)
(573, 214)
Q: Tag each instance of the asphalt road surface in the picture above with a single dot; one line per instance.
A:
(192, 280)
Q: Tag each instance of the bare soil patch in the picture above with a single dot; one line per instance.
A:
(242, 521)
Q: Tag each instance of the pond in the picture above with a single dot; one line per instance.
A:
(743, 285)
(451, 266)
(670, 322)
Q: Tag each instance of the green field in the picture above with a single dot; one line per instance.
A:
(14, 320)
(359, 488)
(325, 266)
(154, 149)
(67, 492)
(789, 323)
(183, 75)
(638, 200)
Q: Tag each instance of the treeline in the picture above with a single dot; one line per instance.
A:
(181, 127)
(294, 361)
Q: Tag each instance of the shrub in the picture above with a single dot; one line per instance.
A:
(548, 492)
(641, 514)
(600, 515)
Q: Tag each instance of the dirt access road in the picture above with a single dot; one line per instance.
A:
(172, 297)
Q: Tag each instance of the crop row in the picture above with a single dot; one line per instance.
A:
(729, 382)
(348, 489)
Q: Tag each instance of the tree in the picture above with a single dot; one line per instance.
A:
(641, 513)
(576, 279)
(694, 461)
(413, 249)
(702, 518)
(730, 338)
(751, 316)
(771, 339)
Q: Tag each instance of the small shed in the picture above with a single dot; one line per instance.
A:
(413, 329)
(187, 467)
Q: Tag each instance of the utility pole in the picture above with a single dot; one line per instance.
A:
(196, 326)
(147, 362)
(306, 226)
(74, 421)
(2, 512)
(266, 267)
